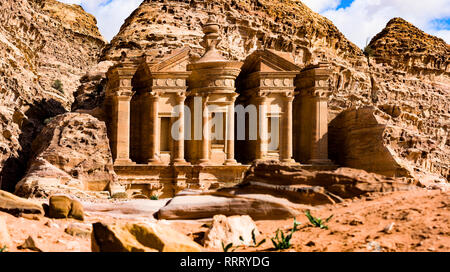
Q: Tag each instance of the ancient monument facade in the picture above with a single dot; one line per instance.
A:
(174, 124)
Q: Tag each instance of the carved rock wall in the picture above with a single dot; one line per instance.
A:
(405, 75)
(41, 42)
(71, 153)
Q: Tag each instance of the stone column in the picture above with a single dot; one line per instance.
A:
(178, 156)
(263, 130)
(155, 130)
(286, 149)
(122, 128)
(319, 139)
(314, 89)
(230, 134)
(205, 158)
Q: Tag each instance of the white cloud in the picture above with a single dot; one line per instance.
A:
(110, 14)
(365, 18)
(360, 21)
(322, 5)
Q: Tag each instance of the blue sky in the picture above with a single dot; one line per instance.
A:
(359, 20)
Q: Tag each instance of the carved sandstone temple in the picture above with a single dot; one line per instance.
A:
(163, 116)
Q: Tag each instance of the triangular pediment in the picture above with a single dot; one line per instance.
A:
(177, 61)
(268, 61)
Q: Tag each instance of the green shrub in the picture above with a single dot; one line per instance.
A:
(57, 85)
(317, 222)
(282, 241)
(4, 249)
(154, 197)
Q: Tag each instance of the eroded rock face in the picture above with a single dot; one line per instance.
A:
(41, 42)
(314, 188)
(72, 154)
(410, 72)
(370, 139)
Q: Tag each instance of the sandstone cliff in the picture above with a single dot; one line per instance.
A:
(409, 120)
(45, 47)
(70, 155)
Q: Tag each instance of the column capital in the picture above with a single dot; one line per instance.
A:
(289, 97)
(261, 98)
(123, 93)
(152, 95)
(181, 97)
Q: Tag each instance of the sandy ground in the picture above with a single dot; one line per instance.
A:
(419, 220)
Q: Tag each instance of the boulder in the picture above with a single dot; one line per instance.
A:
(61, 206)
(5, 239)
(79, 230)
(140, 237)
(70, 155)
(237, 230)
(15, 205)
(207, 205)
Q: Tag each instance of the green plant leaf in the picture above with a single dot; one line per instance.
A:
(329, 218)
(261, 242)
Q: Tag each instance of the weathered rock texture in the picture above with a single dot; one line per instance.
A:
(61, 206)
(238, 230)
(314, 187)
(405, 72)
(15, 205)
(71, 155)
(405, 133)
(140, 237)
(41, 42)
(368, 138)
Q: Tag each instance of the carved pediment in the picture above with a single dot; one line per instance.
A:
(268, 61)
(175, 62)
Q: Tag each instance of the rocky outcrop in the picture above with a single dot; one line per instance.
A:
(302, 186)
(140, 237)
(45, 47)
(15, 205)
(403, 46)
(72, 155)
(236, 230)
(373, 140)
(411, 84)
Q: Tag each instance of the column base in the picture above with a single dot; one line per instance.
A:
(289, 161)
(231, 162)
(204, 162)
(155, 162)
(180, 163)
(124, 162)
